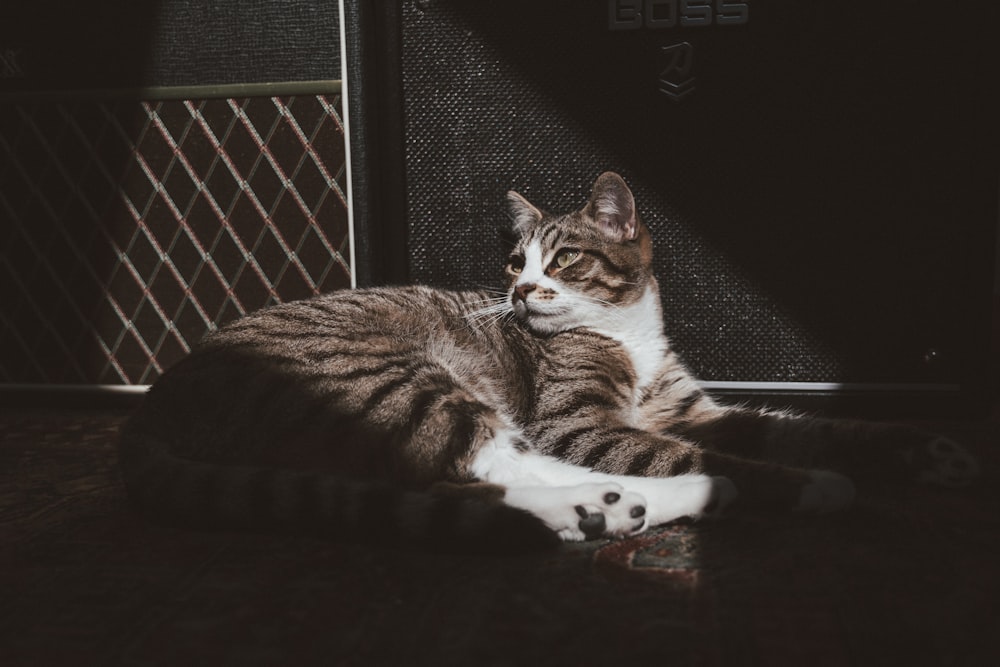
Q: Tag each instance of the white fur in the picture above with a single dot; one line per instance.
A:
(547, 309)
(558, 507)
(639, 328)
(533, 272)
(667, 498)
(552, 489)
(499, 462)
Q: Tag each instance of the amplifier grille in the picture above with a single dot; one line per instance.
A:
(132, 228)
(804, 198)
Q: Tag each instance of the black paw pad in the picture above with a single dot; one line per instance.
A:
(611, 498)
(591, 525)
(637, 512)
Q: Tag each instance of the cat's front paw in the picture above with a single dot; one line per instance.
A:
(585, 511)
(692, 496)
(943, 462)
(826, 492)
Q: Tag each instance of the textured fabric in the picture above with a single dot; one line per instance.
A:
(130, 229)
(124, 44)
(802, 233)
(241, 42)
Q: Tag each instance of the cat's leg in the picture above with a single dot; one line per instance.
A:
(575, 507)
(584, 511)
(458, 436)
(863, 449)
(543, 485)
(667, 498)
(618, 449)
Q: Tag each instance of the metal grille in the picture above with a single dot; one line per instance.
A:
(130, 229)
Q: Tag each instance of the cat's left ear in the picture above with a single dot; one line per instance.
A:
(522, 212)
(612, 207)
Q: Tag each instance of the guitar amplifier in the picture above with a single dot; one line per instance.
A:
(820, 178)
(164, 168)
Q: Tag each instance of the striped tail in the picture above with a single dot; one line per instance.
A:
(195, 494)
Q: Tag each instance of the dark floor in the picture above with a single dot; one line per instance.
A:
(909, 576)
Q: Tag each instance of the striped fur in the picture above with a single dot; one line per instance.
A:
(343, 414)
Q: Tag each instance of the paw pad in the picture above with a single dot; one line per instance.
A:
(592, 524)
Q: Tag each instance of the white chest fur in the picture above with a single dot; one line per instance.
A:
(639, 328)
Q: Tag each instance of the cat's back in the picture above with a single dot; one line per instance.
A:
(358, 355)
(321, 415)
(372, 315)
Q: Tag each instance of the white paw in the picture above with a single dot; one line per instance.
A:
(826, 492)
(695, 496)
(946, 463)
(584, 511)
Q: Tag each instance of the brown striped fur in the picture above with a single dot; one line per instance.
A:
(337, 413)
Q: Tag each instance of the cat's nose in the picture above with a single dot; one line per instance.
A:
(522, 291)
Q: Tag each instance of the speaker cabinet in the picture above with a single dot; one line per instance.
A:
(164, 168)
(820, 178)
(102, 45)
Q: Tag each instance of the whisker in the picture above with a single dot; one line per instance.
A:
(488, 302)
(499, 298)
(489, 315)
(490, 289)
(609, 310)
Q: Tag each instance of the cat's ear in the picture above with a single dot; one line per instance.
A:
(612, 207)
(523, 214)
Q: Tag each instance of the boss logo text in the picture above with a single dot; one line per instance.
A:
(663, 14)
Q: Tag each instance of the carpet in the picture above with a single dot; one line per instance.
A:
(907, 576)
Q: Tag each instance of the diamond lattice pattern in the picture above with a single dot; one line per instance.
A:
(130, 229)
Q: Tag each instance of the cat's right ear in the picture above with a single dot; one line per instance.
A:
(523, 214)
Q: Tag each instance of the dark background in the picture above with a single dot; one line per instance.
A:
(823, 204)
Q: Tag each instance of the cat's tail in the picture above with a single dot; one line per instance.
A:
(872, 452)
(197, 494)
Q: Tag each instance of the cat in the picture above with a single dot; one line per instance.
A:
(556, 411)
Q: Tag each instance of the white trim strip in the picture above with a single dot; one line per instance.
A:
(125, 389)
(196, 92)
(711, 385)
(707, 385)
(346, 118)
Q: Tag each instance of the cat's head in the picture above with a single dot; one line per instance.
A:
(579, 269)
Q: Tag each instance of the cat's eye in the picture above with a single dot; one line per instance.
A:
(565, 258)
(515, 264)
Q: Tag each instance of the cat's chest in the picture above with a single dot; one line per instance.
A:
(638, 329)
(596, 366)
(647, 356)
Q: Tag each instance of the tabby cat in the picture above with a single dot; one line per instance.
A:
(557, 411)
